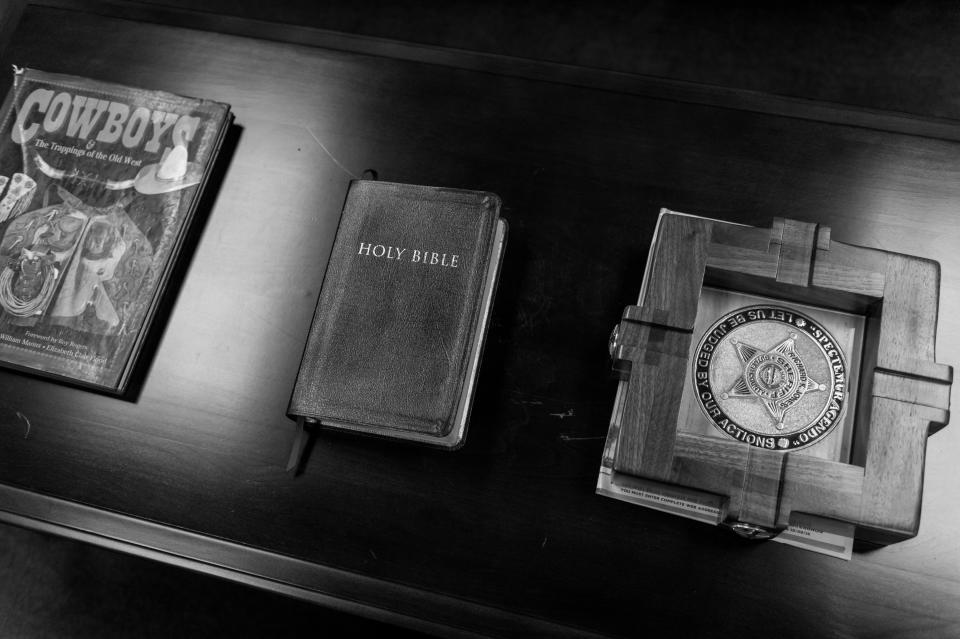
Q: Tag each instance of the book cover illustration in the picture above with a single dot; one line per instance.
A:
(98, 183)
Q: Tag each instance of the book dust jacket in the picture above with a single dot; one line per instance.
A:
(98, 183)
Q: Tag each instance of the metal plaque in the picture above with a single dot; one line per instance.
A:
(771, 377)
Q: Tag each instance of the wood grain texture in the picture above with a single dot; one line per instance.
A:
(912, 390)
(652, 404)
(672, 288)
(868, 366)
(743, 250)
(658, 329)
(843, 267)
(893, 475)
(813, 269)
(822, 487)
(908, 324)
(796, 242)
(823, 238)
(510, 522)
(884, 501)
(758, 501)
(708, 464)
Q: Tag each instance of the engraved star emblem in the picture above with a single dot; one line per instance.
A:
(777, 377)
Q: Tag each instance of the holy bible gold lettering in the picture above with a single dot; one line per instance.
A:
(395, 343)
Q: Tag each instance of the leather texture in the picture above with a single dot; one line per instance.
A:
(390, 339)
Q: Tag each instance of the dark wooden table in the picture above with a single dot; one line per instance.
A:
(506, 536)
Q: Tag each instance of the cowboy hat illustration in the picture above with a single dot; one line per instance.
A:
(171, 173)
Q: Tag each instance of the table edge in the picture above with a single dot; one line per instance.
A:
(553, 72)
(342, 590)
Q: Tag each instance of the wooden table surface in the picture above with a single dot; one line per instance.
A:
(506, 536)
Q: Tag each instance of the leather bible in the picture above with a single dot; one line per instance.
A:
(396, 338)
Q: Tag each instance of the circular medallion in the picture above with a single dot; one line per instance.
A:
(770, 377)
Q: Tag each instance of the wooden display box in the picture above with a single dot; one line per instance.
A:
(869, 471)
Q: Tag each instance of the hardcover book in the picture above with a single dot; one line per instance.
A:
(98, 184)
(398, 331)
